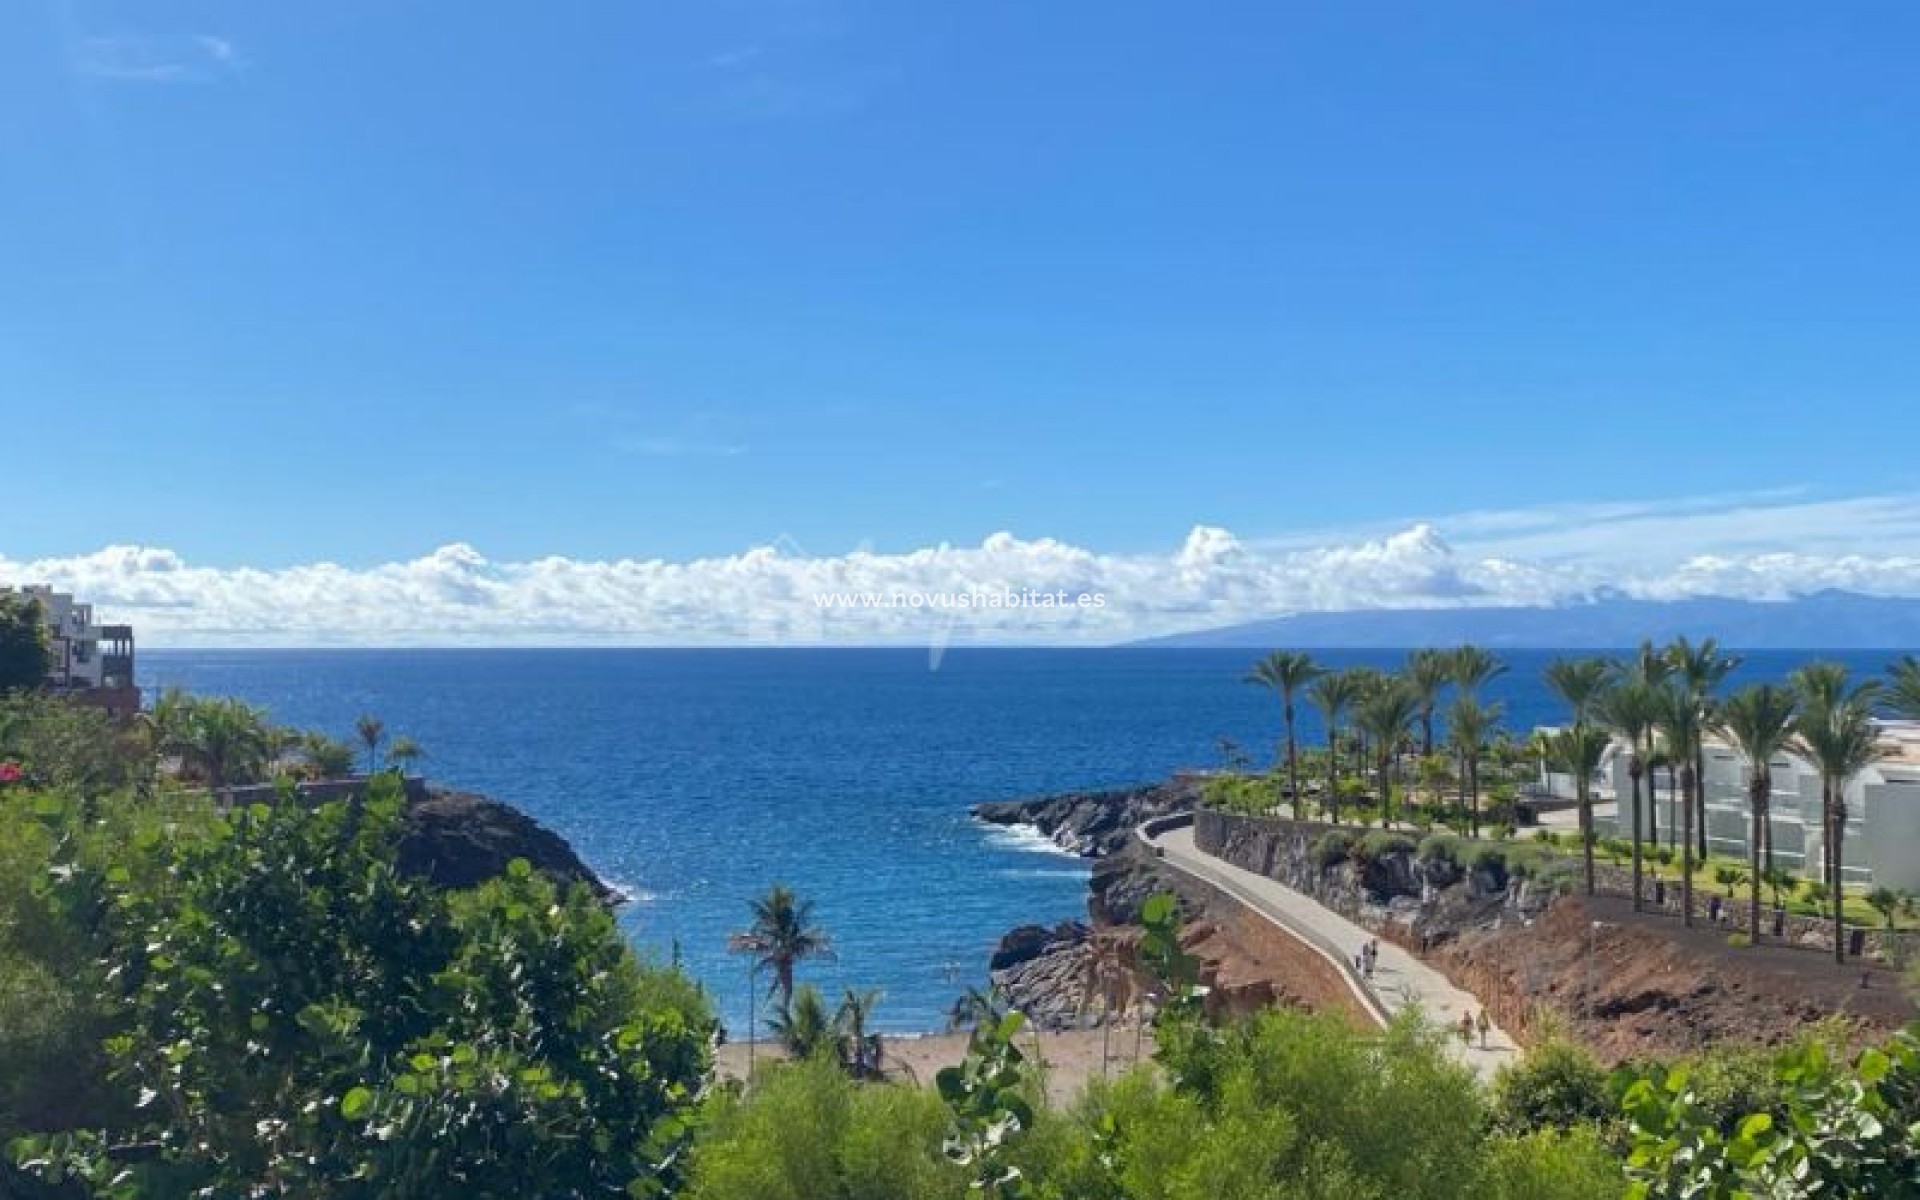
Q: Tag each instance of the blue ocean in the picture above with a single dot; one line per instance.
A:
(695, 778)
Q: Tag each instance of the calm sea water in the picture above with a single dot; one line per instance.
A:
(694, 778)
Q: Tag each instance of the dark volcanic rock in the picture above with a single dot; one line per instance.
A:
(1027, 942)
(458, 840)
(1095, 824)
(1043, 973)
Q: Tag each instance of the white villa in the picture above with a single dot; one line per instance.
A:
(1882, 843)
(88, 661)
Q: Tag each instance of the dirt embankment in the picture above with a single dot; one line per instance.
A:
(1631, 985)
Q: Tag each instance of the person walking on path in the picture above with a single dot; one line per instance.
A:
(1466, 1029)
(1484, 1025)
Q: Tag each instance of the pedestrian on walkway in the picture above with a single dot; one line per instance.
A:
(1466, 1029)
(1484, 1025)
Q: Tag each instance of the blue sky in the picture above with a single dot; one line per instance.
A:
(347, 282)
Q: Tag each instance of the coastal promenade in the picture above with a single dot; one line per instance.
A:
(1400, 980)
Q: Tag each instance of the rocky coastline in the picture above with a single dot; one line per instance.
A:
(1097, 823)
(1047, 972)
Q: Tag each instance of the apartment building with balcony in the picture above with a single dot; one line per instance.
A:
(87, 661)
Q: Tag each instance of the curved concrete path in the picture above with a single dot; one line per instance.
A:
(1400, 980)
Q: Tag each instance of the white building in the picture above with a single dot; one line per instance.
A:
(89, 661)
(1881, 846)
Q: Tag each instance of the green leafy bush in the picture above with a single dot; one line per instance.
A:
(1382, 842)
(1440, 848)
(1332, 847)
(289, 1014)
(1556, 1086)
(811, 1131)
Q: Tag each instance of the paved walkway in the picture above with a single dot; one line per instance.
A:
(1400, 980)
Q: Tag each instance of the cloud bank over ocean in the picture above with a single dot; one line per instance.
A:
(456, 595)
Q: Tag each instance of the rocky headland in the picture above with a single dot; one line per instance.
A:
(457, 839)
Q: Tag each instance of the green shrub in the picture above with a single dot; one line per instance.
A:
(1739, 941)
(1440, 848)
(1558, 1085)
(1492, 859)
(1550, 1164)
(1382, 842)
(294, 1014)
(1332, 847)
(810, 1131)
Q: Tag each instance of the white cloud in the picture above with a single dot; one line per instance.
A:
(456, 595)
(154, 58)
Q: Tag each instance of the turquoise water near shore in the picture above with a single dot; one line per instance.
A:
(693, 778)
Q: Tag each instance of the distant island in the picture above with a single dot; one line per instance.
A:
(1827, 620)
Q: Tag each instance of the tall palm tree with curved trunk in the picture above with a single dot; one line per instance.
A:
(1701, 670)
(1468, 724)
(1759, 721)
(1429, 673)
(781, 937)
(1680, 718)
(1386, 715)
(1333, 694)
(1580, 683)
(1628, 709)
(1287, 673)
(1902, 693)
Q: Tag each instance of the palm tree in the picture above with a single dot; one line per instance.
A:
(1628, 709)
(802, 1025)
(326, 758)
(1286, 673)
(404, 752)
(1577, 751)
(1333, 694)
(1385, 716)
(1840, 741)
(1367, 681)
(1824, 687)
(1679, 717)
(1429, 672)
(1468, 723)
(1902, 693)
(1759, 721)
(372, 731)
(782, 935)
(1474, 667)
(226, 741)
(1701, 670)
(1580, 682)
(1649, 668)
(861, 1050)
